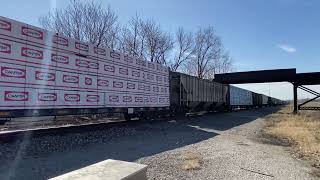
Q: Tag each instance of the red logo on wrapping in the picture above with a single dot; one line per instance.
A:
(150, 76)
(70, 79)
(99, 51)
(47, 97)
(162, 100)
(60, 40)
(5, 48)
(163, 90)
(81, 46)
(16, 96)
(138, 99)
(127, 99)
(102, 82)
(147, 88)
(128, 58)
(155, 89)
(153, 99)
(141, 87)
(72, 97)
(123, 71)
(113, 98)
(32, 32)
(45, 76)
(5, 25)
(115, 55)
(82, 63)
(93, 65)
(135, 73)
(60, 58)
(93, 98)
(32, 53)
(88, 81)
(109, 68)
(117, 84)
(131, 85)
(13, 72)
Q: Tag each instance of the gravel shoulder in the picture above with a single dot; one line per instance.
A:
(226, 145)
(238, 153)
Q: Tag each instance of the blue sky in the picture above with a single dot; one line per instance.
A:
(258, 34)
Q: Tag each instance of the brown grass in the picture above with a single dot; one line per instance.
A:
(302, 131)
(191, 161)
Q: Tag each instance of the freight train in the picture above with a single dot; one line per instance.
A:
(191, 94)
(47, 74)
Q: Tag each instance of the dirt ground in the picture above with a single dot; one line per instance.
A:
(299, 131)
(242, 152)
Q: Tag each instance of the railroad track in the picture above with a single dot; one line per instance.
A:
(13, 135)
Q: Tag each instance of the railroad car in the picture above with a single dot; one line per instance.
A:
(44, 73)
(257, 100)
(265, 100)
(189, 93)
(240, 98)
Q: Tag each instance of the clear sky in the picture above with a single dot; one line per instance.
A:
(258, 34)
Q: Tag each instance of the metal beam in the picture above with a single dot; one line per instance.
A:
(308, 78)
(275, 75)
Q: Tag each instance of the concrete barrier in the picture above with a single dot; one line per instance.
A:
(108, 170)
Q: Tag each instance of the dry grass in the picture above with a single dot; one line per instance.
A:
(191, 161)
(302, 131)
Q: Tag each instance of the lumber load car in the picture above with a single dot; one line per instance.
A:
(46, 74)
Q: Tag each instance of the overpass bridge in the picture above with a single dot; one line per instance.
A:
(299, 80)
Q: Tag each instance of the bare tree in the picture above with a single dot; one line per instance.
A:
(88, 22)
(207, 51)
(225, 63)
(199, 54)
(157, 43)
(145, 39)
(164, 48)
(132, 37)
(184, 48)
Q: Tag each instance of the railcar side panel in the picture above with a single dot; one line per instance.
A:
(240, 97)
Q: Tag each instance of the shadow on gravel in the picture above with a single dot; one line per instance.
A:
(42, 156)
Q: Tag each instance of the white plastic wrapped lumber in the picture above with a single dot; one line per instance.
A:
(63, 72)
